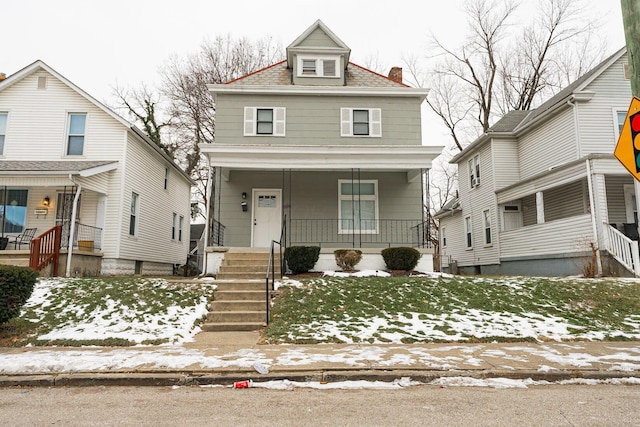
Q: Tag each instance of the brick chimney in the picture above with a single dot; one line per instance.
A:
(2, 76)
(395, 74)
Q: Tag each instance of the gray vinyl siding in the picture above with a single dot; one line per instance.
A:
(474, 201)
(317, 38)
(566, 201)
(506, 163)
(615, 198)
(529, 213)
(549, 145)
(316, 120)
(310, 196)
(454, 224)
(37, 123)
(598, 127)
(156, 206)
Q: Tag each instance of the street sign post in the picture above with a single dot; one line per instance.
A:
(628, 147)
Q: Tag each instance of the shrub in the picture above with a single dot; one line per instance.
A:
(16, 286)
(347, 258)
(301, 259)
(401, 258)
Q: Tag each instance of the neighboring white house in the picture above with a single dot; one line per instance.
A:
(316, 150)
(541, 193)
(67, 159)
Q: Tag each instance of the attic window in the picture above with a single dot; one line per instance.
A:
(309, 66)
(324, 66)
(42, 82)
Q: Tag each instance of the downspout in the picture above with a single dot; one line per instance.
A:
(72, 226)
(593, 218)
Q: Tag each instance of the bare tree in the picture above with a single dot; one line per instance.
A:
(506, 65)
(143, 106)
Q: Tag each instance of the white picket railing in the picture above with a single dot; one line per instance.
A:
(622, 248)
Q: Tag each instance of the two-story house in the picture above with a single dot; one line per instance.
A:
(317, 150)
(66, 159)
(541, 192)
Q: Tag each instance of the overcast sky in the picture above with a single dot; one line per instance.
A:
(97, 44)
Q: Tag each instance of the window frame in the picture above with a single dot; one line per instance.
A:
(24, 195)
(70, 135)
(443, 236)
(486, 219)
(3, 130)
(474, 171)
(468, 232)
(180, 227)
(174, 226)
(166, 178)
(617, 125)
(347, 122)
(319, 67)
(355, 198)
(134, 214)
(279, 121)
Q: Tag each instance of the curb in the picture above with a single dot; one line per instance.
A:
(199, 378)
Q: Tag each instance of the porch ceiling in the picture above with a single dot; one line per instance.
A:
(321, 157)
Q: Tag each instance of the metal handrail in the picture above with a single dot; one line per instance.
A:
(271, 264)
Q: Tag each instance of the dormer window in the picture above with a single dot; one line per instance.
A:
(318, 66)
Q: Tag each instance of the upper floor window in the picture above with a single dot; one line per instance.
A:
(324, 66)
(174, 227)
(180, 226)
(443, 236)
(133, 216)
(474, 171)
(3, 130)
(166, 178)
(621, 116)
(76, 133)
(269, 121)
(361, 122)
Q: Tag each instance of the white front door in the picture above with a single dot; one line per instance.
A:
(267, 217)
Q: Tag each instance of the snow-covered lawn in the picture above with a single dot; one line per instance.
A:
(121, 311)
(338, 308)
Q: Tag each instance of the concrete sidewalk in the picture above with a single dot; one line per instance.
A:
(225, 357)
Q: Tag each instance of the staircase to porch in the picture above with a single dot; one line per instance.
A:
(239, 302)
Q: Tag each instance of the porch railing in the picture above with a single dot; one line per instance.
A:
(622, 248)
(217, 234)
(363, 233)
(45, 250)
(86, 237)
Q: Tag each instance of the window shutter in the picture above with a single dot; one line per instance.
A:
(346, 124)
(279, 119)
(249, 121)
(375, 119)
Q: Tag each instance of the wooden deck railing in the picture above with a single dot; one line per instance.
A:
(45, 249)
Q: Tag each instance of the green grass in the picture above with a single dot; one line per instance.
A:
(340, 309)
(114, 300)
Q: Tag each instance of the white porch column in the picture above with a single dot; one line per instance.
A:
(540, 207)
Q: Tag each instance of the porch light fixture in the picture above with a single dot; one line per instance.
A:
(46, 201)
(244, 195)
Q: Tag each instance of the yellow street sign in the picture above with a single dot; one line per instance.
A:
(628, 147)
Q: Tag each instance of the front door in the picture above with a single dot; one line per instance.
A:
(267, 217)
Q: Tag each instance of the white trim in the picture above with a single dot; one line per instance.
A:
(468, 232)
(279, 117)
(375, 122)
(486, 224)
(319, 66)
(68, 133)
(367, 197)
(318, 90)
(443, 236)
(321, 157)
(616, 124)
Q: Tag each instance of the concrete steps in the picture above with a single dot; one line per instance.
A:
(239, 302)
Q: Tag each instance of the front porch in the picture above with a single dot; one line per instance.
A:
(558, 221)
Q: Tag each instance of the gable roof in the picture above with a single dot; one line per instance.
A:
(299, 44)
(62, 167)
(41, 65)
(515, 122)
